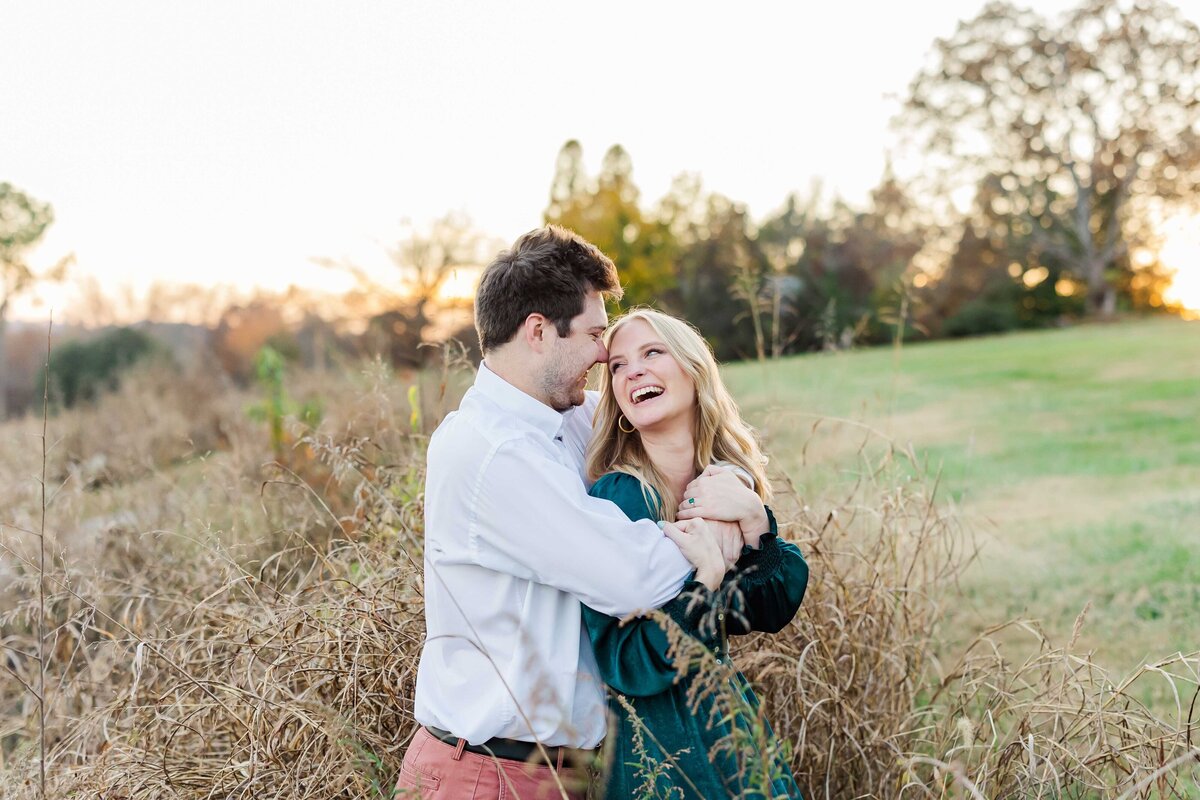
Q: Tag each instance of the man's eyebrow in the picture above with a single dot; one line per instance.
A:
(598, 329)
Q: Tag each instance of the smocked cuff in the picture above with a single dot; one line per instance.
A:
(695, 609)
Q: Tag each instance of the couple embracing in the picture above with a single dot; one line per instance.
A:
(553, 516)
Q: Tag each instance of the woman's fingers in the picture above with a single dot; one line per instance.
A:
(719, 495)
(709, 472)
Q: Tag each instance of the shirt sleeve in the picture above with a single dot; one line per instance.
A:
(533, 518)
(632, 655)
(767, 585)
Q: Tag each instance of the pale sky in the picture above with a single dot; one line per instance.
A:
(236, 141)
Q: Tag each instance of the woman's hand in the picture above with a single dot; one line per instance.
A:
(719, 494)
(698, 543)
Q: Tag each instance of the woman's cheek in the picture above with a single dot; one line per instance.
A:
(623, 405)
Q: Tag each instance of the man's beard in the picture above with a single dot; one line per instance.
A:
(563, 391)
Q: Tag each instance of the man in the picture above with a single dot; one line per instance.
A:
(513, 542)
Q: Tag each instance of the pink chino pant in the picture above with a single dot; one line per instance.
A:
(433, 770)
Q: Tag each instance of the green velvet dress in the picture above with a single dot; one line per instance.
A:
(676, 758)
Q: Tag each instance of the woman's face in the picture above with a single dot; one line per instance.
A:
(650, 387)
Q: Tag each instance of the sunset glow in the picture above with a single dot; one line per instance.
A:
(460, 285)
(1181, 253)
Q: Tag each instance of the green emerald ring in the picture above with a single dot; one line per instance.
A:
(691, 501)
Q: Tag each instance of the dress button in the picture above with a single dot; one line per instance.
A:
(719, 661)
(721, 616)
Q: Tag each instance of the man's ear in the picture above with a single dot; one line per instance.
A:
(535, 330)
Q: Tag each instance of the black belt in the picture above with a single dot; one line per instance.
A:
(513, 749)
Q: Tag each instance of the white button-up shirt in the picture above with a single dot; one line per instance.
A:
(513, 544)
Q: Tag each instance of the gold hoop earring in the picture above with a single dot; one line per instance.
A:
(620, 419)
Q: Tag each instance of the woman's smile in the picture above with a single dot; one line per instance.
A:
(645, 393)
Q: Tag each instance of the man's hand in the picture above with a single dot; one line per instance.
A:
(698, 543)
(719, 494)
(729, 537)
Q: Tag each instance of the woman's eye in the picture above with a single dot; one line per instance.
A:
(614, 367)
(653, 351)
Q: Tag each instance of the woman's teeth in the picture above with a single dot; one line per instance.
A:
(645, 392)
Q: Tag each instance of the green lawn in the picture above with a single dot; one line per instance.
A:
(1074, 455)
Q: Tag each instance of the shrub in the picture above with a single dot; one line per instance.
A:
(81, 370)
(981, 316)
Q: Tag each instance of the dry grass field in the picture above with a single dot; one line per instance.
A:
(231, 617)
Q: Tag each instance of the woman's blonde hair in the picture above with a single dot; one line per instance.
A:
(720, 433)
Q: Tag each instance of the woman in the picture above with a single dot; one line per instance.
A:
(669, 443)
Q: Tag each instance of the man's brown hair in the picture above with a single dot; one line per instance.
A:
(547, 271)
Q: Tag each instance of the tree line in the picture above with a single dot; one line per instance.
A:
(1071, 138)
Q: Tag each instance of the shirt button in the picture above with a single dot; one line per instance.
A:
(718, 661)
(721, 616)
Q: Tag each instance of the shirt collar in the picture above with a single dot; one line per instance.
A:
(518, 403)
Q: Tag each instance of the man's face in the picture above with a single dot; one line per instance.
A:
(570, 357)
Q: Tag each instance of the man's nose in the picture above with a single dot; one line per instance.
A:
(603, 359)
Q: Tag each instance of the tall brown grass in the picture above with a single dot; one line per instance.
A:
(874, 712)
(226, 627)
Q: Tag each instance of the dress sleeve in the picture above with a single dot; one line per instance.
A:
(632, 655)
(765, 588)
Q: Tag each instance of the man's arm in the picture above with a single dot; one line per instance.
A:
(532, 517)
